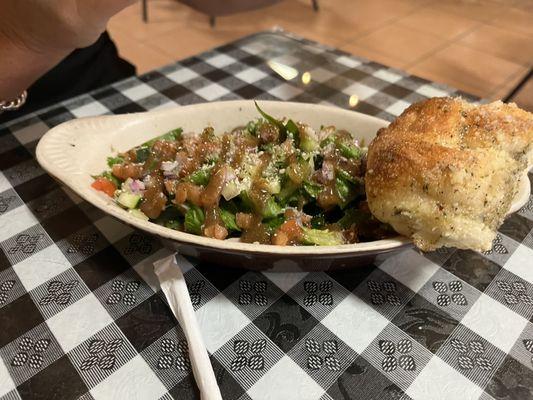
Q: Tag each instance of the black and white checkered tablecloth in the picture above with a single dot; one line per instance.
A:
(81, 314)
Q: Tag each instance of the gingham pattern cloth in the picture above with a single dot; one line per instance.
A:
(82, 316)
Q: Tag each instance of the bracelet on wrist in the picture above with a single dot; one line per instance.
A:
(15, 104)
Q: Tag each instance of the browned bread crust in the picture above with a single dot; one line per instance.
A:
(445, 172)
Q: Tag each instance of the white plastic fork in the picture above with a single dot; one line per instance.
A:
(175, 289)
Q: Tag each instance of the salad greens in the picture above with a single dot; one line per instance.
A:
(274, 181)
(194, 219)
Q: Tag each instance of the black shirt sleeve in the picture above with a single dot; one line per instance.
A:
(81, 71)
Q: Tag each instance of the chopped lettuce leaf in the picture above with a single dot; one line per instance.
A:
(312, 189)
(114, 160)
(268, 147)
(251, 126)
(289, 194)
(349, 151)
(194, 219)
(344, 190)
(346, 176)
(288, 129)
(246, 202)
(292, 129)
(229, 220)
(174, 134)
(272, 208)
(326, 141)
(321, 237)
(348, 187)
(271, 119)
(142, 153)
(201, 176)
(274, 223)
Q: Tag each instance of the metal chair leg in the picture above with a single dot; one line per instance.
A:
(212, 21)
(315, 4)
(144, 9)
(519, 86)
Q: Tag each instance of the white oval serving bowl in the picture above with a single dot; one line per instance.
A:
(75, 150)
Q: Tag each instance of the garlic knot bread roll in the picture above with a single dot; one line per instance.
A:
(445, 172)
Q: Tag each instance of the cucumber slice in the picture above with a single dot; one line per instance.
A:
(321, 237)
(128, 200)
(139, 214)
(308, 144)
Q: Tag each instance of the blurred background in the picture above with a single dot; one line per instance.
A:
(484, 47)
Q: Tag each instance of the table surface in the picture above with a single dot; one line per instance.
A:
(81, 313)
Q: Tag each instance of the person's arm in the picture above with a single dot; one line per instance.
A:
(35, 35)
(20, 67)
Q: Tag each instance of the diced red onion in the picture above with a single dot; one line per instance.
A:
(328, 171)
(229, 174)
(168, 165)
(137, 186)
(170, 175)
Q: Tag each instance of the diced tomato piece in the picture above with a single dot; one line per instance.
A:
(291, 229)
(280, 238)
(104, 185)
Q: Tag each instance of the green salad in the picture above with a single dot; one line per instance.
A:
(272, 181)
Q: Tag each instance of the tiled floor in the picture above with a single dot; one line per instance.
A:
(480, 46)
